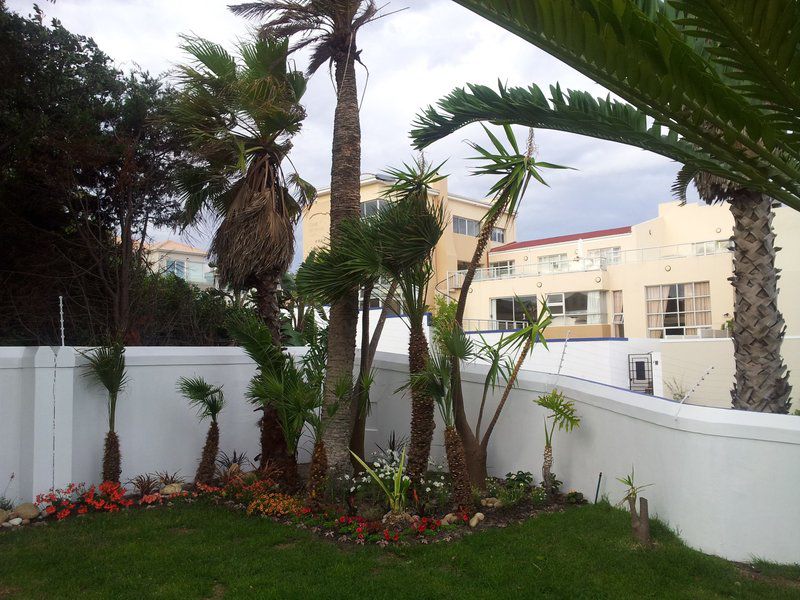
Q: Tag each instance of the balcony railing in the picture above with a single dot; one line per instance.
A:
(558, 321)
(455, 279)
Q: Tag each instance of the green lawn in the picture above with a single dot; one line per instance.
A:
(202, 551)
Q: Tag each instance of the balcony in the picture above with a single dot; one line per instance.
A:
(568, 320)
(455, 279)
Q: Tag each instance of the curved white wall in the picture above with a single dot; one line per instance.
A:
(726, 481)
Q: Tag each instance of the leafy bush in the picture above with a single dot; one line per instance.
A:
(145, 485)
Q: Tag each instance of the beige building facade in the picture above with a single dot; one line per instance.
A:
(181, 260)
(664, 278)
(455, 248)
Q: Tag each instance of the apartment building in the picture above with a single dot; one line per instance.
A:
(455, 248)
(664, 278)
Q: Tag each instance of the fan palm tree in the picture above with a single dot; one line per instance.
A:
(107, 368)
(237, 118)
(208, 400)
(330, 28)
(397, 243)
(709, 84)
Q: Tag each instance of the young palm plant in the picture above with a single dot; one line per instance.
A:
(562, 416)
(330, 29)
(208, 400)
(107, 368)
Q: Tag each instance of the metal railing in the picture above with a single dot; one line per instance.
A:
(455, 279)
(558, 321)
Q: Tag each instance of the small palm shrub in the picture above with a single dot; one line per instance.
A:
(562, 416)
(107, 368)
(167, 478)
(208, 400)
(145, 484)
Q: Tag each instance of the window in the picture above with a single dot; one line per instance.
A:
(612, 256)
(619, 316)
(498, 235)
(678, 309)
(553, 263)
(466, 226)
(509, 312)
(176, 267)
(712, 247)
(501, 268)
(371, 207)
(463, 265)
(577, 308)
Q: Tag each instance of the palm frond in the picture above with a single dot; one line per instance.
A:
(206, 398)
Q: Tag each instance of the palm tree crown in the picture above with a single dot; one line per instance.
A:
(206, 398)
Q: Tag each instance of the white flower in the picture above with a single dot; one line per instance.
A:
(406, 478)
(352, 489)
(427, 489)
(346, 477)
(376, 464)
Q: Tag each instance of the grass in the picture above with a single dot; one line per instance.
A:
(204, 551)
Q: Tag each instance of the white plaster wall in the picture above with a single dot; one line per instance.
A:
(158, 429)
(16, 385)
(725, 480)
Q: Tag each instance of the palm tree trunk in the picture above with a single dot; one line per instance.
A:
(345, 204)
(205, 470)
(547, 467)
(475, 454)
(422, 405)
(111, 458)
(456, 462)
(319, 468)
(273, 444)
(761, 380)
(361, 395)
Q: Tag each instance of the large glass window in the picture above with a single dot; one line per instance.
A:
(465, 226)
(611, 256)
(509, 312)
(678, 309)
(553, 263)
(619, 316)
(176, 267)
(577, 308)
(498, 235)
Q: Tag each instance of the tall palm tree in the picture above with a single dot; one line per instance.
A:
(397, 244)
(237, 118)
(208, 400)
(107, 368)
(330, 28)
(709, 84)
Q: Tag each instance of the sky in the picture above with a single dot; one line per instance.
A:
(413, 56)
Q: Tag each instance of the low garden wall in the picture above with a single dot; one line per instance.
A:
(725, 480)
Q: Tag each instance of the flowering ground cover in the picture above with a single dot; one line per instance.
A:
(201, 550)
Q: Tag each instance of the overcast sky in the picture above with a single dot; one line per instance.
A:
(414, 58)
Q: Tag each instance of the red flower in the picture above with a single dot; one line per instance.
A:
(62, 515)
(50, 509)
(82, 510)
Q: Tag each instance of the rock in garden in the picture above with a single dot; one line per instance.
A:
(4, 514)
(491, 503)
(6, 524)
(27, 510)
(477, 518)
(15, 521)
(450, 519)
(172, 488)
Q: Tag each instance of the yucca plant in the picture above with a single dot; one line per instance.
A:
(562, 417)
(208, 400)
(640, 519)
(396, 496)
(107, 368)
